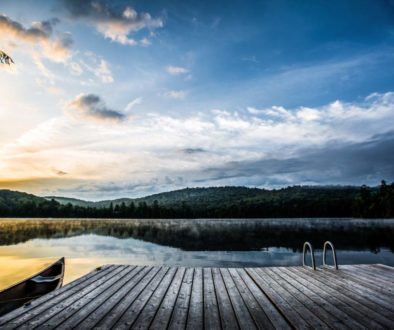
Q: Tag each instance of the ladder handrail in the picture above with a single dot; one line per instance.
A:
(334, 254)
(309, 246)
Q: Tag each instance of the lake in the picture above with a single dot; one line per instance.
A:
(27, 245)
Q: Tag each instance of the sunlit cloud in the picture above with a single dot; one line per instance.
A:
(157, 152)
(55, 48)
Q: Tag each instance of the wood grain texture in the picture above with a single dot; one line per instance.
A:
(133, 297)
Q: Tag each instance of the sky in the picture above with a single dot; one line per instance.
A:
(112, 99)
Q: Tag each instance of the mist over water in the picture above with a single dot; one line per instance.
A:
(90, 243)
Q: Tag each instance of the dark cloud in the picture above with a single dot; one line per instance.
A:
(114, 23)
(367, 162)
(193, 150)
(91, 106)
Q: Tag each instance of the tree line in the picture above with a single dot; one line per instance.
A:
(321, 202)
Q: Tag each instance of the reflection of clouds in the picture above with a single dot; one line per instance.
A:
(92, 250)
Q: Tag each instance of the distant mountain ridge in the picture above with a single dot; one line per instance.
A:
(214, 202)
(198, 196)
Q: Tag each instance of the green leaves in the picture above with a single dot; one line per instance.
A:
(5, 59)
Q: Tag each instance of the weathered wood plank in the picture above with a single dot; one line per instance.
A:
(260, 319)
(348, 284)
(380, 277)
(368, 282)
(52, 307)
(60, 311)
(352, 318)
(195, 319)
(353, 301)
(181, 308)
(384, 267)
(382, 273)
(284, 304)
(75, 314)
(226, 310)
(344, 294)
(123, 297)
(164, 313)
(273, 314)
(106, 307)
(132, 312)
(308, 302)
(245, 319)
(38, 305)
(99, 303)
(146, 316)
(372, 278)
(111, 318)
(211, 309)
(299, 316)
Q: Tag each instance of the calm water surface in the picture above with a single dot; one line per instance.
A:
(27, 245)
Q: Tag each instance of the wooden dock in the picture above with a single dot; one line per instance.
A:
(124, 297)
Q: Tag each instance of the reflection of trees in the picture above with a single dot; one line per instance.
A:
(206, 235)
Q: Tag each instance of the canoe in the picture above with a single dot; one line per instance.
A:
(47, 280)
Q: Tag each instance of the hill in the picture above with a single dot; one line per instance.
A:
(13, 199)
(214, 196)
(215, 202)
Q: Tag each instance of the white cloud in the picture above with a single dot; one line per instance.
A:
(132, 104)
(154, 146)
(176, 70)
(176, 94)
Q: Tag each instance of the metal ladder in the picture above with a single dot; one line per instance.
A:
(308, 246)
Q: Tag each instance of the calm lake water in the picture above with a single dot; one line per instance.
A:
(27, 245)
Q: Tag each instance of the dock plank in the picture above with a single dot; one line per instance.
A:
(92, 310)
(351, 287)
(277, 319)
(130, 295)
(146, 316)
(57, 313)
(146, 297)
(211, 309)
(286, 307)
(181, 308)
(163, 316)
(346, 302)
(38, 305)
(49, 309)
(312, 309)
(195, 320)
(258, 314)
(226, 309)
(134, 310)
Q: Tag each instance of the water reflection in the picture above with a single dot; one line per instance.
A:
(222, 243)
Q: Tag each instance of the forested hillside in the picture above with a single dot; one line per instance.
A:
(215, 202)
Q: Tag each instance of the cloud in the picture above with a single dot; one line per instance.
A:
(349, 163)
(90, 106)
(176, 94)
(56, 48)
(116, 25)
(176, 70)
(132, 104)
(94, 64)
(270, 147)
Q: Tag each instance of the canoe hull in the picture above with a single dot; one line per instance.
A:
(34, 287)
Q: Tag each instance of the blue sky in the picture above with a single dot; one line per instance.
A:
(126, 98)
